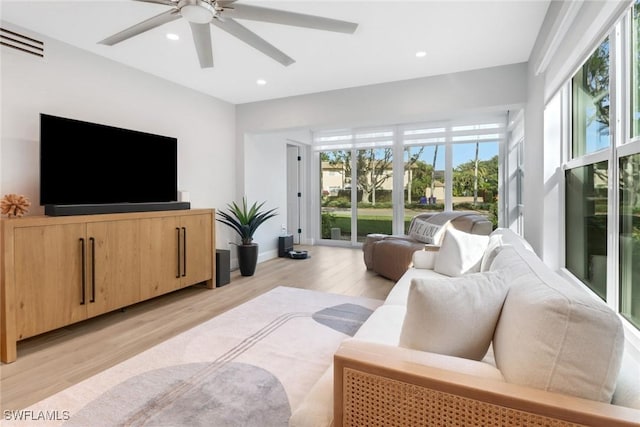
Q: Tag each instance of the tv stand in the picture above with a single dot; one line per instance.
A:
(58, 271)
(91, 209)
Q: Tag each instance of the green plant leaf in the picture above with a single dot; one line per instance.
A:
(245, 220)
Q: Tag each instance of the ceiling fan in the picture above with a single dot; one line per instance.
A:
(222, 14)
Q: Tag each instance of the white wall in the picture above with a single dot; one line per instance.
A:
(430, 98)
(404, 101)
(73, 83)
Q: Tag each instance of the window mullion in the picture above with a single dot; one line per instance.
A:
(615, 90)
(354, 196)
(398, 182)
(448, 173)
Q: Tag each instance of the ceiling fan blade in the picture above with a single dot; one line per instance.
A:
(164, 2)
(275, 16)
(202, 40)
(156, 21)
(252, 39)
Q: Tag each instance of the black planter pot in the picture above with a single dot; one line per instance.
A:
(248, 258)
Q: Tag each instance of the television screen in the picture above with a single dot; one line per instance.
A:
(89, 163)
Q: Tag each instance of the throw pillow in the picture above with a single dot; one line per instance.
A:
(495, 245)
(460, 253)
(455, 316)
(426, 232)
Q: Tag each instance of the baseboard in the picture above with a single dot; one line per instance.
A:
(92, 209)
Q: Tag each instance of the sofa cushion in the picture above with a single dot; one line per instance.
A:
(384, 325)
(424, 358)
(628, 385)
(454, 316)
(460, 253)
(317, 407)
(552, 335)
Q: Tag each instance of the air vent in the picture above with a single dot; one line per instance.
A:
(22, 43)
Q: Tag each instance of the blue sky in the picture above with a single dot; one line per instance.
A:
(462, 153)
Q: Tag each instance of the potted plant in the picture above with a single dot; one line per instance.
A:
(245, 221)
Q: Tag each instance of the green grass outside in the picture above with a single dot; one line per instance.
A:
(366, 225)
(371, 220)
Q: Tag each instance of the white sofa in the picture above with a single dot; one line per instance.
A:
(555, 354)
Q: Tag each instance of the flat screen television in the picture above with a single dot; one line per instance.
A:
(90, 164)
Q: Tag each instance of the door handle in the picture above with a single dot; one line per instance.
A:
(178, 251)
(184, 251)
(93, 269)
(83, 271)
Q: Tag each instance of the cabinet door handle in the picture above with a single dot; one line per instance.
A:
(178, 252)
(93, 269)
(83, 271)
(184, 251)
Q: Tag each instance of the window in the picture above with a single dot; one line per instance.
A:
(375, 189)
(375, 180)
(630, 238)
(586, 225)
(475, 178)
(590, 96)
(634, 53)
(335, 195)
(602, 170)
(425, 180)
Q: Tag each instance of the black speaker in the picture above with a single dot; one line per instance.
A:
(285, 244)
(223, 267)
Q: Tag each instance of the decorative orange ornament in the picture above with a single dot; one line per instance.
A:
(14, 205)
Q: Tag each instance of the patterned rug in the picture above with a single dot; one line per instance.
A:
(250, 366)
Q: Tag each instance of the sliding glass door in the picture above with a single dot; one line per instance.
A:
(335, 195)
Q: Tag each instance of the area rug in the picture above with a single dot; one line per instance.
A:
(250, 366)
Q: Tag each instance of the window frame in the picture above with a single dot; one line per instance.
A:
(621, 145)
(342, 141)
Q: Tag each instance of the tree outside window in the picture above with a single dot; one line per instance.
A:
(590, 109)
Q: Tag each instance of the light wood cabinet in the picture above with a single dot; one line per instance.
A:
(56, 271)
(48, 270)
(114, 255)
(196, 237)
(160, 256)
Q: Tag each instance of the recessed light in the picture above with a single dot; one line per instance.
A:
(173, 37)
(421, 54)
(261, 82)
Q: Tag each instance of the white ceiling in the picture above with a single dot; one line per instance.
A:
(457, 36)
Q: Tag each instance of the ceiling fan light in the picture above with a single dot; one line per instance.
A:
(196, 14)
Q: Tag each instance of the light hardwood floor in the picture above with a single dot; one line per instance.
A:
(56, 360)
